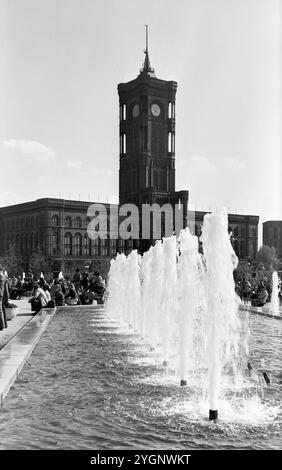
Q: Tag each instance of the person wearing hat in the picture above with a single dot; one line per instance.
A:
(4, 297)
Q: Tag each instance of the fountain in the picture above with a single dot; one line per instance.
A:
(223, 321)
(184, 306)
(274, 303)
(272, 308)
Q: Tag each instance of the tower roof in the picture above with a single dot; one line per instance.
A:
(147, 69)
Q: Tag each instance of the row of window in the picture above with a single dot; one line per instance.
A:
(22, 223)
(32, 222)
(77, 222)
(274, 232)
(143, 142)
(76, 246)
(235, 231)
(170, 111)
(25, 242)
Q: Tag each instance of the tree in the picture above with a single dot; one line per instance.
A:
(38, 263)
(268, 257)
(12, 260)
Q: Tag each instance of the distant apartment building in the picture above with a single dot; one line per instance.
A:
(272, 235)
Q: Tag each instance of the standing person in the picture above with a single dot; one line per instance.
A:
(247, 288)
(85, 281)
(77, 279)
(4, 298)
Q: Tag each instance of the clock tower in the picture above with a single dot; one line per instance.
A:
(147, 139)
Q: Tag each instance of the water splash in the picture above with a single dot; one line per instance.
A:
(184, 306)
(274, 303)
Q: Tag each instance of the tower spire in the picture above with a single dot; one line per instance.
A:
(147, 66)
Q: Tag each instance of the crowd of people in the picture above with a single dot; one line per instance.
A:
(256, 290)
(82, 289)
(85, 287)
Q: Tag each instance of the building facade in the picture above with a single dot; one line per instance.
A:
(272, 235)
(243, 231)
(57, 229)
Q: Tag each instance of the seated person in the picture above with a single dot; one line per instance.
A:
(57, 293)
(71, 294)
(261, 297)
(39, 299)
(97, 286)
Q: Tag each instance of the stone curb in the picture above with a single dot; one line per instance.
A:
(259, 311)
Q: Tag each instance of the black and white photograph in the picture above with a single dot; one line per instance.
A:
(140, 229)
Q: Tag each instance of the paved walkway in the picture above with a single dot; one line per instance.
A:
(17, 323)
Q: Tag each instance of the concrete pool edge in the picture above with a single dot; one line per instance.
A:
(260, 311)
(19, 348)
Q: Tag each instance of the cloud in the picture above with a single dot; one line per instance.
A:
(7, 198)
(203, 165)
(102, 172)
(30, 149)
(76, 165)
(197, 163)
(233, 164)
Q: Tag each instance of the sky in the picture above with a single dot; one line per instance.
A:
(61, 62)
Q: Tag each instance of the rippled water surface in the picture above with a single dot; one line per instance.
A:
(90, 384)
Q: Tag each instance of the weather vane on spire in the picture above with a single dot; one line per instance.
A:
(147, 67)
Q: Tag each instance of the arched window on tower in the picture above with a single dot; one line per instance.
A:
(169, 142)
(156, 179)
(169, 110)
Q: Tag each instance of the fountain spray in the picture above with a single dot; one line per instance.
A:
(274, 304)
(222, 306)
(187, 289)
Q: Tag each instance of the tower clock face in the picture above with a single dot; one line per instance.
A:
(135, 110)
(155, 109)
